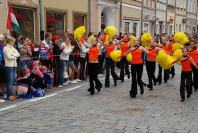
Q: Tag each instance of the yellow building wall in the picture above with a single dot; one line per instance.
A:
(67, 6)
(3, 18)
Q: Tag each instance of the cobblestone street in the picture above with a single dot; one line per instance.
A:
(111, 111)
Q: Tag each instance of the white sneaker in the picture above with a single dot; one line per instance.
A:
(74, 82)
(66, 83)
(2, 100)
(60, 86)
(78, 80)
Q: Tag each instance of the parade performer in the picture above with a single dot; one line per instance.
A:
(186, 75)
(151, 65)
(124, 66)
(194, 55)
(136, 67)
(93, 66)
(110, 32)
(166, 72)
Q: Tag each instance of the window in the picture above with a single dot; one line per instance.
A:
(55, 22)
(146, 27)
(127, 26)
(25, 18)
(79, 20)
(135, 28)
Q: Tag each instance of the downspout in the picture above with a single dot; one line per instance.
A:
(41, 20)
(175, 17)
(142, 19)
(120, 16)
(89, 14)
(166, 25)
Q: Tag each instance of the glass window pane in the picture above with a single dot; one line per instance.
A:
(55, 22)
(135, 28)
(79, 20)
(25, 18)
(126, 27)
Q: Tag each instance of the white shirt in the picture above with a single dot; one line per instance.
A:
(10, 56)
(66, 51)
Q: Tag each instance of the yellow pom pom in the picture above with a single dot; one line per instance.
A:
(131, 40)
(115, 55)
(177, 46)
(164, 60)
(91, 39)
(177, 54)
(79, 32)
(111, 32)
(146, 39)
(129, 57)
(181, 38)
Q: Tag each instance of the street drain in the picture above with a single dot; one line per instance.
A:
(132, 110)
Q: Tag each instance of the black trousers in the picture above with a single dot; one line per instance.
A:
(172, 70)
(101, 62)
(186, 78)
(166, 75)
(93, 71)
(195, 77)
(124, 68)
(136, 72)
(82, 68)
(56, 64)
(150, 68)
(110, 64)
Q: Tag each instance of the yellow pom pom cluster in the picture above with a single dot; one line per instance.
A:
(165, 60)
(131, 40)
(129, 57)
(115, 55)
(146, 39)
(180, 37)
(111, 32)
(91, 39)
(78, 33)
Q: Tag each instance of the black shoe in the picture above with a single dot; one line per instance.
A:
(182, 100)
(91, 93)
(173, 75)
(99, 88)
(115, 83)
(144, 84)
(195, 90)
(122, 80)
(141, 91)
(89, 90)
(107, 86)
(150, 87)
(133, 96)
(128, 76)
(189, 95)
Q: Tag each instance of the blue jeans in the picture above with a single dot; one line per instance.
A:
(24, 64)
(11, 78)
(63, 65)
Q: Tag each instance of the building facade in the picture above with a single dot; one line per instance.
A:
(36, 17)
(171, 10)
(149, 16)
(181, 15)
(131, 16)
(104, 13)
(161, 16)
(191, 16)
